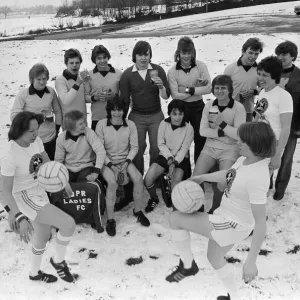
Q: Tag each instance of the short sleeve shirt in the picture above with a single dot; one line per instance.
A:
(23, 164)
(272, 104)
(244, 187)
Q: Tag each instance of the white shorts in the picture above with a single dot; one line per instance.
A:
(31, 201)
(227, 232)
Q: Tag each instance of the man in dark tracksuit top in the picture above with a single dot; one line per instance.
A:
(290, 80)
(144, 83)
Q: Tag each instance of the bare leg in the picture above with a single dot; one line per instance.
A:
(111, 190)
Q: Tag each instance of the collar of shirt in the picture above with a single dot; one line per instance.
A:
(111, 69)
(179, 67)
(109, 123)
(239, 63)
(69, 76)
(72, 137)
(135, 69)
(289, 70)
(229, 105)
(168, 120)
(41, 93)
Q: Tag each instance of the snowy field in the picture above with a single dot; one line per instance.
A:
(22, 24)
(100, 260)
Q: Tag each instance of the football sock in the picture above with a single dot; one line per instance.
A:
(36, 259)
(61, 243)
(182, 241)
(226, 274)
(152, 191)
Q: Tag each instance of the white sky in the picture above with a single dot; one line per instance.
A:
(30, 2)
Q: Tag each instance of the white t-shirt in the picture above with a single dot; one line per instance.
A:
(272, 104)
(244, 187)
(23, 164)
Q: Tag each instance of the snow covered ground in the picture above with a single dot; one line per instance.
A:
(107, 276)
(23, 24)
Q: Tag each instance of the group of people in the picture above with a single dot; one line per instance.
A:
(232, 134)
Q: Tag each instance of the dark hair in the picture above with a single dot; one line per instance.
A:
(176, 104)
(260, 138)
(113, 103)
(287, 47)
(72, 53)
(21, 122)
(140, 48)
(273, 66)
(223, 80)
(185, 44)
(254, 44)
(71, 117)
(99, 49)
(37, 70)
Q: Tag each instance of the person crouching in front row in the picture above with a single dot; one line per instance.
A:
(120, 140)
(174, 139)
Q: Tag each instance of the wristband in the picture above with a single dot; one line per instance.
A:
(96, 170)
(191, 91)
(75, 87)
(223, 125)
(109, 164)
(220, 133)
(6, 207)
(20, 216)
(128, 160)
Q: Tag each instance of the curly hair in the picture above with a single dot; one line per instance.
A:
(271, 65)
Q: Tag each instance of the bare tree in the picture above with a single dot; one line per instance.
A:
(5, 10)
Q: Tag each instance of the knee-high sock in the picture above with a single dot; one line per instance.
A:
(152, 191)
(226, 274)
(36, 259)
(182, 240)
(61, 243)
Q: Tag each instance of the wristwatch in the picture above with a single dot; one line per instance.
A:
(187, 90)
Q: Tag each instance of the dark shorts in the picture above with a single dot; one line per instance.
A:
(184, 165)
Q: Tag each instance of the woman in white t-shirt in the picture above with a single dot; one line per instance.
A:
(274, 105)
(243, 209)
(28, 203)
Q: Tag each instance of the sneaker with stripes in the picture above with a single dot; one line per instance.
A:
(48, 278)
(179, 272)
(62, 270)
(151, 205)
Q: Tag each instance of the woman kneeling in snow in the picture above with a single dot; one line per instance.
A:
(174, 140)
(26, 200)
(243, 208)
